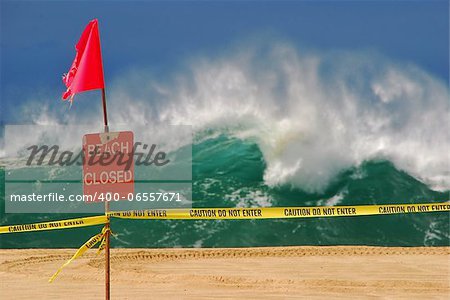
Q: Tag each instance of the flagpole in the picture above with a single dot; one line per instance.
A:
(105, 113)
(87, 67)
(107, 225)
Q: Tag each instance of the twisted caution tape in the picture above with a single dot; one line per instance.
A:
(53, 225)
(279, 212)
(98, 238)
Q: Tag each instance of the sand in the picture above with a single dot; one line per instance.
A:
(251, 273)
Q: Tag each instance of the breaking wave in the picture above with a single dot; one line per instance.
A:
(312, 115)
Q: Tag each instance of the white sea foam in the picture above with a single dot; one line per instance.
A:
(246, 197)
(312, 115)
(335, 200)
(433, 234)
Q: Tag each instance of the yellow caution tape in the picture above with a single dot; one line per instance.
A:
(102, 245)
(62, 224)
(279, 212)
(86, 246)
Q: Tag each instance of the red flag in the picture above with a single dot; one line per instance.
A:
(86, 72)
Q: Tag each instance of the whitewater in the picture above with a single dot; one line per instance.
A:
(275, 125)
(312, 114)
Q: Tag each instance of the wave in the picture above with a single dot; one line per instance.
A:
(312, 115)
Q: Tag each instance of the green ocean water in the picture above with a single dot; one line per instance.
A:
(229, 172)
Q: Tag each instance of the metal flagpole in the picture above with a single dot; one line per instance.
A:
(105, 113)
(107, 225)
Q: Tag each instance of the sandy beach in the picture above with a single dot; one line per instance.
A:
(253, 273)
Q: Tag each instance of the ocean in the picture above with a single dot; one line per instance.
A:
(276, 126)
(229, 172)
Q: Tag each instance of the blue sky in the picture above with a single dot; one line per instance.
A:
(38, 38)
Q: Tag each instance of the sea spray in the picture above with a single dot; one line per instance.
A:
(285, 128)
